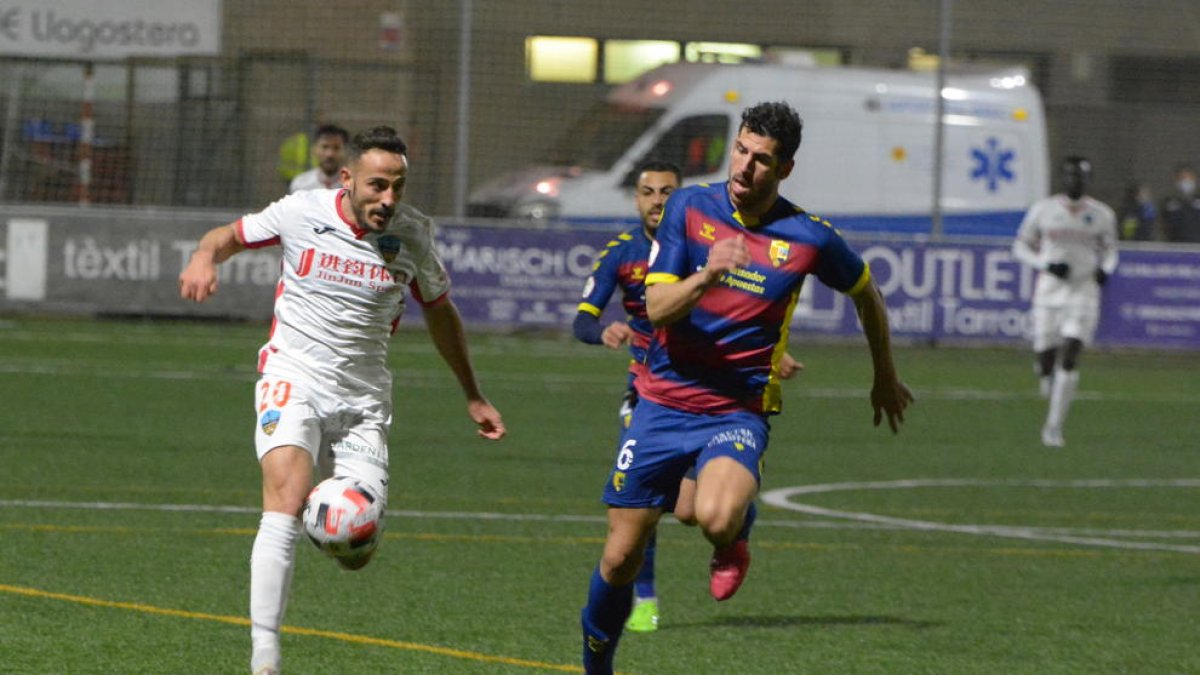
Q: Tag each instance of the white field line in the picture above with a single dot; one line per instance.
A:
(402, 513)
(838, 520)
(413, 342)
(781, 498)
(440, 378)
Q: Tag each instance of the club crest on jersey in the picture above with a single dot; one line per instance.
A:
(269, 421)
(389, 246)
(779, 252)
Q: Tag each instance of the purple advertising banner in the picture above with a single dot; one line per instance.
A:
(1154, 300)
(520, 278)
(127, 261)
(979, 292)
(974, 292)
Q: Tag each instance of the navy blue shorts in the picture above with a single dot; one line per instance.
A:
(662, 443)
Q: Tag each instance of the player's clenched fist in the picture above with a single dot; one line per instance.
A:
(726, 255)
(616, 334)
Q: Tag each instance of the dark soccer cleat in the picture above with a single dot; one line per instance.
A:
(727, 569)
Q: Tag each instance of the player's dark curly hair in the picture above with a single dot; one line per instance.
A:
(381, 138)
(776, 120)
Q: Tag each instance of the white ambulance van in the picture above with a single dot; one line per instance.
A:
(866, 161)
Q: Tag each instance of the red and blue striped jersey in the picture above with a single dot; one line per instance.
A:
(723, 355)
(623, 264)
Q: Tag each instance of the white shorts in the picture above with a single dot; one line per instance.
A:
(1052, 325)
(342, 441)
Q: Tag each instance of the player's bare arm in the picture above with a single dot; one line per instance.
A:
(616, 334)
(446, 329)
(667, 303)
(199, 279)
(889, 395)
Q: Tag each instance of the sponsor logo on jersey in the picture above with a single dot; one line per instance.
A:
(347, 271)
(269, 421)
(304, 265)
(323, 229)
(389, 246)
(779, 252)
(708, 231)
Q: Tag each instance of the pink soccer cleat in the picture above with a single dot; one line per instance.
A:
(728, 568)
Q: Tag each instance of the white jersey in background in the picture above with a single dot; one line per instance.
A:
(1082, 234)
(341, 290)
(314, 179)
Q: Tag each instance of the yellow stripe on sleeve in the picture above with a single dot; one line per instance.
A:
(863, 280)
(590, 309)
(661, 278)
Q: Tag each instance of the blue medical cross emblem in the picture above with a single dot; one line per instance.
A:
(992, 164)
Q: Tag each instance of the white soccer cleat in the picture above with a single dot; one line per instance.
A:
(1052, 437)
(265, 660)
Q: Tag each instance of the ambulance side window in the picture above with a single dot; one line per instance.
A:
(696, 144)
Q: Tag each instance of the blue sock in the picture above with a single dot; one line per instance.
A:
(751, 514)
(643, 586)
(602, 619)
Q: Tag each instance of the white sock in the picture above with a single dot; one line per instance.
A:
(1062, 392)
(271, 563)
(1045, 385)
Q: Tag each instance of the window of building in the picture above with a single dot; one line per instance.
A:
(624, 60)
(796, 56)
(561, 59)
(721, 52)
(616, 61)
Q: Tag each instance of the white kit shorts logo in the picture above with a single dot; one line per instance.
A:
(269, 421)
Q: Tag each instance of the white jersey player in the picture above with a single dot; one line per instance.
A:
(1070, 238)
(325, 393)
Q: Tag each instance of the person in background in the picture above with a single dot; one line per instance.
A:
(1071, 239)
(623, 264)
(329, 152)
(1181, 210)
(1138, 213)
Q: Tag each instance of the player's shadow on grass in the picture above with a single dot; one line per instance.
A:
(783, 621)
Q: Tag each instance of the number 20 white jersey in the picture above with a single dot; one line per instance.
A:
(341, 291)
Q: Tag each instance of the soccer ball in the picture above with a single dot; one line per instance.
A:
(344, 518)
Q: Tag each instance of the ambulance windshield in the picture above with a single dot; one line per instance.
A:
(602, 135)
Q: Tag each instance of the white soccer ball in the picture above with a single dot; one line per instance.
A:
(344, 518)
